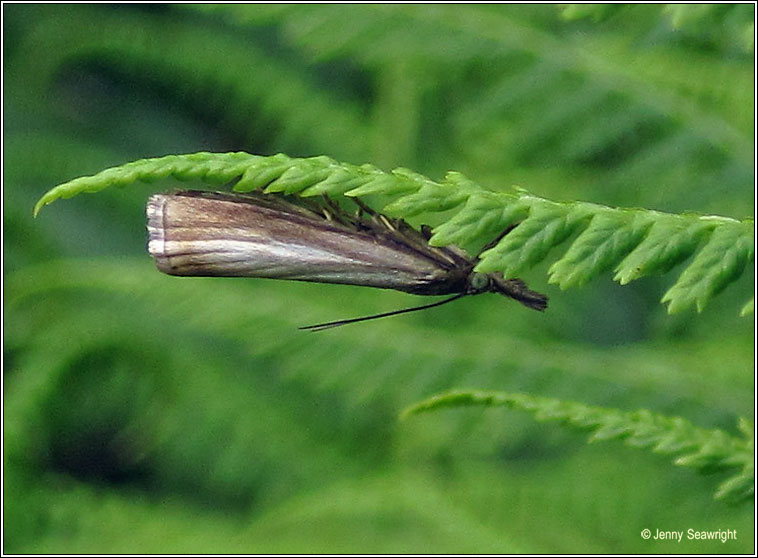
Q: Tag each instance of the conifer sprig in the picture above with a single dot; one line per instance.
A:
(632, 243)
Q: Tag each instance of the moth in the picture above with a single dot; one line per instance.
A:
(215, 234)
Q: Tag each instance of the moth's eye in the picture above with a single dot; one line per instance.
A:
(480, 281)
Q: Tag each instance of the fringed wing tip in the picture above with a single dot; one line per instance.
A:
(156, 243)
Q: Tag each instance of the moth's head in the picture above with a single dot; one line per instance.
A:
(480, 283)
(512, 288)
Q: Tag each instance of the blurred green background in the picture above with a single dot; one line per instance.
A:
(145, 413)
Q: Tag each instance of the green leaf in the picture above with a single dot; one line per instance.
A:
(739, 488)
(669, 241)
(483, 216)
(547, 225)
(262, 174)
(298, 178)
(608, 238)
(215, 168)
(454, 191)
(718, 263)
(338, 181)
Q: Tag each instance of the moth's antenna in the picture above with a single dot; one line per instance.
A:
(327, 325)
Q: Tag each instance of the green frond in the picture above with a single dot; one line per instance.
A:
(213, 168)
(705, 450)
(634, 242)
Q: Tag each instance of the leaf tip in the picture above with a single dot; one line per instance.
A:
(42, 202)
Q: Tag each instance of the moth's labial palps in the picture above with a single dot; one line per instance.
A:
(195, 233)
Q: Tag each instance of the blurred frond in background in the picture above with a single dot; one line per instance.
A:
(145, 413)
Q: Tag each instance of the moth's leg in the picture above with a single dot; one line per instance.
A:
(363, 208)
(366, 218)
(381, 223)
(426, 232)
(332, 211)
